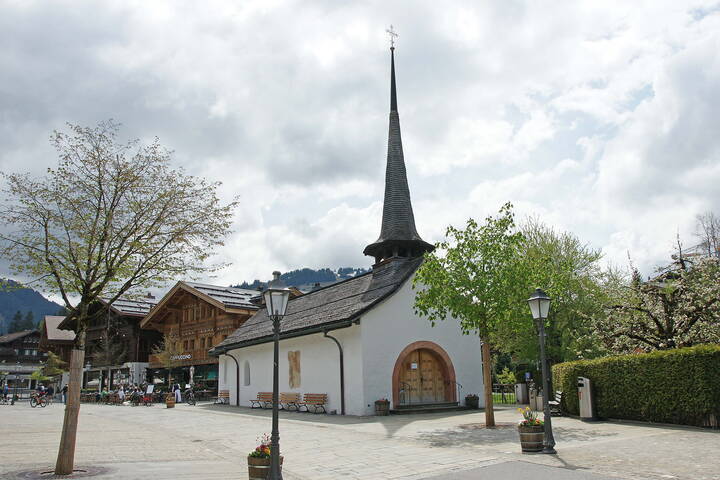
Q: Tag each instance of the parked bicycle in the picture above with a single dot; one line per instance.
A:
(38, 399)
(190, 396)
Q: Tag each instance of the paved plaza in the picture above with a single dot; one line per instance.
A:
(211, 442)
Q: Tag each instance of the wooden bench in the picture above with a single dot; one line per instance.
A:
(288, 401)
(223, 397)
(315, 400)
(263, 400)
(556, 404)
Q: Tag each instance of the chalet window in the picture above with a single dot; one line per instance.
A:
(192, 344)
(246, 373)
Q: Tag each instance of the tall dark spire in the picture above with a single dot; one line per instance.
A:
(398, 236)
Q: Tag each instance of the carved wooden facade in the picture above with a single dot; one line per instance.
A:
(196, 317)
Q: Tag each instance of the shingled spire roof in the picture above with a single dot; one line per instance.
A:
(398, 236)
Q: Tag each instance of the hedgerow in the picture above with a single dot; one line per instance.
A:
(670, 386)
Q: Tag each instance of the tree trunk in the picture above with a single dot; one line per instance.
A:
(66, 452)
(487, 381)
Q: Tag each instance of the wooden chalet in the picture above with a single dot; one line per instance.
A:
(117, 349)
(195, 317)
(53, 339)
(19, 357)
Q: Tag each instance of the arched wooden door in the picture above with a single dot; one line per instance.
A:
(422, 378)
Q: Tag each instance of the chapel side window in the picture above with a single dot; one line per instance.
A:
(246, 374)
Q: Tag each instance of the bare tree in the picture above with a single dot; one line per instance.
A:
(708, 232)
(110, 218)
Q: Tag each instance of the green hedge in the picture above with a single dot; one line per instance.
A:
(672, 386)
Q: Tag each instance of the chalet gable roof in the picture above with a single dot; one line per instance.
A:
(339, 303)
(11, 337)
(228, 299)
(53, 333)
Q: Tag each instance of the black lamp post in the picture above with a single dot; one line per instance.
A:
(276, 301)
(540, 306)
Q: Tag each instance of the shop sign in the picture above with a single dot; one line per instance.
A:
(184, 356)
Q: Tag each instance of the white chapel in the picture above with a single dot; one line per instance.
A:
(359, 340)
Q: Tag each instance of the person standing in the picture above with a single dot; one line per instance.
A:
(63, 391)
(50, 393)
(121, 394)
(178, 395)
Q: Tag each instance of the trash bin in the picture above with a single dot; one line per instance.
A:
(585, 397)
(521, 393)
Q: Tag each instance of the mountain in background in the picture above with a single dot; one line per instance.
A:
(16, 298)
(307, 279)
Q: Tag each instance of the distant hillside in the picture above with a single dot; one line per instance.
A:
(16, 298)
(306, 278)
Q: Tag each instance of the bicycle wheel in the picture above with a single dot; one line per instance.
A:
(33, 402)
(43, 402)
(191, 400)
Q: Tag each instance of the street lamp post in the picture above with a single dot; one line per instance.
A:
(276, 300)
(539, 307)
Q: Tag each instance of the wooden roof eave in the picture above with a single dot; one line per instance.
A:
(197, 293)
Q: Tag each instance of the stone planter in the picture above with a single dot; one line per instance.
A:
(259, 468)
(472, 401)
(382, 407)
(531, 438)
(170, 400)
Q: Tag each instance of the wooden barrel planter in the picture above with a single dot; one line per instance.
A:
(382, 407)
(531, 438)
(170, 400)
(259, 468)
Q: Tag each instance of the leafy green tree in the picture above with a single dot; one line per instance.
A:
(29, 321)
(570, 272)
(16, 324)
(474, 276)
(168, 354)
(54, 365)
(111, 219)
(506, 377)
(39, 376)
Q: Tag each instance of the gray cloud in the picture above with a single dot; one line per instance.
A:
(286, 103)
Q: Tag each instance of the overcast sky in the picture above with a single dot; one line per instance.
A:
(601, 118)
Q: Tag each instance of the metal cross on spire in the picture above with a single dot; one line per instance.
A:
(393, 36)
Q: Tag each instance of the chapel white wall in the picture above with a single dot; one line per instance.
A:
(391, 326)
(319, 369)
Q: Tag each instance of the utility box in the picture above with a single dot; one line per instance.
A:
(585, 397)
(521, 393)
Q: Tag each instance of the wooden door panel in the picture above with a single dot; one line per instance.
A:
(422, 379)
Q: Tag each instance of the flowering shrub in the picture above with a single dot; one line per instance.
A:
(262, 450)
(529, 418)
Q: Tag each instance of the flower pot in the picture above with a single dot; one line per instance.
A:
(259, 468)
(382, 407)
(170, 400)
(531, 437)
(472, 401)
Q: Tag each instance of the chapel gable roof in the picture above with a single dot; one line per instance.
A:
(339, 303)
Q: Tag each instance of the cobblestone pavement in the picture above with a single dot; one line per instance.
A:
(211, 442)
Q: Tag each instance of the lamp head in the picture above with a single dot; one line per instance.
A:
(276, 297)
(539, 304)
